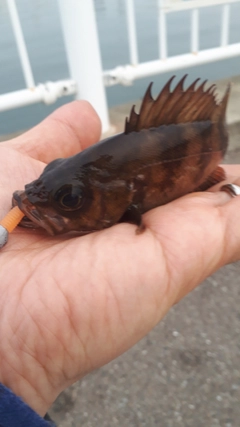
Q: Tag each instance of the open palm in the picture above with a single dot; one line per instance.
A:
(69, 305)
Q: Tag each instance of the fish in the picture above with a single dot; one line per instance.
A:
(172, 147)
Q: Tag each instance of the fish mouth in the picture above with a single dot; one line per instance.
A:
(35, 218)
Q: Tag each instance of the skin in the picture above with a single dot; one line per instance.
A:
(69, 306)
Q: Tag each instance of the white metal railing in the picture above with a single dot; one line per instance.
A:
(21, 46)
(48, 92)
(176, 5)
(83, 53)
(75, 15)
(132, 33)
(84, 59)
(128, 73)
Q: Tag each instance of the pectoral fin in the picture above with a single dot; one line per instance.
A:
(133, 216)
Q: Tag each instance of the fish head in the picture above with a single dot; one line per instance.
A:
(65, 199)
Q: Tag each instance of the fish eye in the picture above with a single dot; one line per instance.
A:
(69, 197)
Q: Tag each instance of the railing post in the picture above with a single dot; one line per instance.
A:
(83, 53)
(132, 35)
(162, 30)
(194, 30)
(21, 45)
(225, 24)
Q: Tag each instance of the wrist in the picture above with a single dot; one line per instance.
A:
(15, 412)
(33, 387)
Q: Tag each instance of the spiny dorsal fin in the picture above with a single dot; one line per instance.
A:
(220, 113)
(131, 123)
(179, 106)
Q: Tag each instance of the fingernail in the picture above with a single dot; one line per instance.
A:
(3, 236)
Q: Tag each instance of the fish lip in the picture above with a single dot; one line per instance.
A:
(38, 219)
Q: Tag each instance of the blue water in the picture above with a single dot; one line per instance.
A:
(42, 31)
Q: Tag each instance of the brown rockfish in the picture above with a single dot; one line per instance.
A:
(171, 148)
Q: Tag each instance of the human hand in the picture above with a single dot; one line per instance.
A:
(70, 305)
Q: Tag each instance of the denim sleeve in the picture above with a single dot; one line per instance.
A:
(15, 413)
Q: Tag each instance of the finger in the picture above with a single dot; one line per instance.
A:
(232, 173)
(232, 170)
(65, 132)
(232, 177)
(199, 235)
(231, 214)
